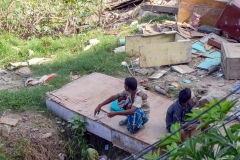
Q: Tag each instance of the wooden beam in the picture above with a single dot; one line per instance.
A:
(157, 8)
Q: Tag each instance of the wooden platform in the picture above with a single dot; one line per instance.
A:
(82, 97)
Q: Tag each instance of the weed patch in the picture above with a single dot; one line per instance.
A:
(69, 58)
(155, 18)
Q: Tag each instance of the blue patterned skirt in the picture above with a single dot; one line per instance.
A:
(136, 121)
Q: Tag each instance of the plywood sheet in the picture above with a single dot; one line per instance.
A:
(213, 36)
(165, 54)
(83, 95)
(158, 74)
(183, 69)
(134, 42)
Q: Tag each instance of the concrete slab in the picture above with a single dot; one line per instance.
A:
(83, 95)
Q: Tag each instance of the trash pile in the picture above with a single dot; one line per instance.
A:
(202, 44)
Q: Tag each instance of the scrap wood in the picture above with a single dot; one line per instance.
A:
(183, 69)
(184, 32)
(212, 36)
(207, 46)
(214, 43)
(9, 121)
(196, 34)
(150, 29)
(158, 74)
(4, 79)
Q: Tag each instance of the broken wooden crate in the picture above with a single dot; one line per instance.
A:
(159, 49)
(230, 60)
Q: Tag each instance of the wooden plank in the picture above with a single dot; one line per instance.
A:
(209, 15)
(9, 121)
(165, 54)
(158, 74)
(214, 43)
(196, 34)
(183, 69)
(213, 36)
(157, 8)
(134, 42)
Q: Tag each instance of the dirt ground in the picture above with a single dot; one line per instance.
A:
(34, 137)
(10, 80)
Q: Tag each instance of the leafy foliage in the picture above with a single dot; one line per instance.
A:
(78, 145)
(174, 138)
(45, 17)
(153, 156)
(213, 144)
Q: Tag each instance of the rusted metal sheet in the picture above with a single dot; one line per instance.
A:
(83, 95)
(209, 10)
(229, 21)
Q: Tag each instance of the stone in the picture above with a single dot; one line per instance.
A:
(204, 100)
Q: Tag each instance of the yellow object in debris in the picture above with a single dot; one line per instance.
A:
(92, 154)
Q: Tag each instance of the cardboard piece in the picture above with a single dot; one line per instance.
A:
(183, 69)
(9, 121)
(158, 74)
(97, 116)
(212, 36)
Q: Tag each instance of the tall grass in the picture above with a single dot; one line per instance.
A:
(68, 57)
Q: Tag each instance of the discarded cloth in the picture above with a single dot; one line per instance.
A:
(114, 107)
(44, 79)
(237, 86)
(136, 121)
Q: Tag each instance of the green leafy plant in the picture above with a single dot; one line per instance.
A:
(153, 156)
(174, 138)
(216, 144)
(78, 145)
(79, 124)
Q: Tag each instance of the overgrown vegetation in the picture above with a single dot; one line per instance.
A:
(67, 57)
(78, 146)
(47, 17)
(215, 144)
(155, 18)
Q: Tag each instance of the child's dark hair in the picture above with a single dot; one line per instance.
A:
(131, 83)
(184, 95)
